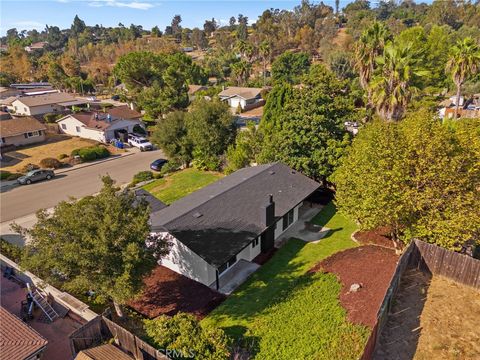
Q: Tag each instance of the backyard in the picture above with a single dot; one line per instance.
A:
(180, 184)
(282, 297)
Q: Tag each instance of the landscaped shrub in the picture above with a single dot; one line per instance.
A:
(51, 163)
(11, 251)
(62, 156)
(170, 167)
(91, 153)
(184, 337)
(142, 176)
(4, 175)
(52, 117)
(29, 167)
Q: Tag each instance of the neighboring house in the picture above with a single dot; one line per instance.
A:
(32, 85)
(46, 103)
(6, 92)
(124, 112)
(469, 108)
(36, 46)
(19, 341)
(103, 352)
(21, 131)
(97, 126)
(247, 98)
(236, 218)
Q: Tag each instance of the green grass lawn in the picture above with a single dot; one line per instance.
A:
(180, 184)
(288, 314)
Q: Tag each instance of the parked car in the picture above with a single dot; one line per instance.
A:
(158, 164)
(36, 175)
(116, 97)
(140, 142)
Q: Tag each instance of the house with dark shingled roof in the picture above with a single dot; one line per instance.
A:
(236, 218)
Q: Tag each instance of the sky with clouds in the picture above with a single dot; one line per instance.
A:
(35, 14)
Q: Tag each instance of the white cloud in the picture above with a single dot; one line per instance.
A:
(63, 1)
(114, 3)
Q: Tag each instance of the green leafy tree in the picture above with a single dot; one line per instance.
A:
(464, 63)
(418, 176)
(211, 129)
(248, 144)
(171, 136)
(290, 67)
(78, 26)
(182, 336)
(309, 134)
(97, 243)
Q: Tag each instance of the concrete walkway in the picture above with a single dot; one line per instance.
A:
(298, 229)
(236, 276)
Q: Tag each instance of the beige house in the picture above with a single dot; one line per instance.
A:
(21, 131)
(45, 103)
(246, 98)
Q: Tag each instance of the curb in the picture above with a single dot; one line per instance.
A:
(93, 163)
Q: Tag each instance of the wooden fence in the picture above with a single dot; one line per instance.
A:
(430, 258)
(101, 329)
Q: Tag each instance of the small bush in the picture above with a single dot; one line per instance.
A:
(91, 153)
(170, 167)
(11, 251)
(62, 156)
(52, 117)
(51, 163)
(4, 175)
(29, 167)
(142, 176)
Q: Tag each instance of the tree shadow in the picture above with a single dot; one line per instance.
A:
(324, 216)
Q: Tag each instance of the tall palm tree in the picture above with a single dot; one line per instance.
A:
(391, 87)
(241, 70)
(464, 62)
(265, 52)
(368, 47)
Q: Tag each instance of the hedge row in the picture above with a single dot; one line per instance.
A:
(91, 153)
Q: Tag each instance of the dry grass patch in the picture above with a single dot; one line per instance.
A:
(450, 322)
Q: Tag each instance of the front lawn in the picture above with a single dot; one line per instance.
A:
(180, 184)
(286, 313)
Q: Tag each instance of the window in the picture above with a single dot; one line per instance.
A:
(32, 134)
(78, 128)
(25, 109)
(64, 126)
(287, 220)
(255, 242)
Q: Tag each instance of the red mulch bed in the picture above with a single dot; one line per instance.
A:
(167, 293)
(372, 267)
(379, 236)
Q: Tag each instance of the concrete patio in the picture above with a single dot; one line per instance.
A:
(299, 229)
(236, 276)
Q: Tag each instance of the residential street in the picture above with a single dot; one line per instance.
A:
(21, 201)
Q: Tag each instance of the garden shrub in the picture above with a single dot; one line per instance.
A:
(62, 156)
(170, 167)
(142, 176)
(4, 175)
(51, 163)
(52, 117)
(29, 167)
(11, 251)
(91, 153)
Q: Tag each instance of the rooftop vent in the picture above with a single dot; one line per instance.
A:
(271, 172)
(197, 215)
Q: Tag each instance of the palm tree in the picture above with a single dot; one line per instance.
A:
(368, 47)
(241, 70)
(464, 62)
(265, 52)
(391, 87)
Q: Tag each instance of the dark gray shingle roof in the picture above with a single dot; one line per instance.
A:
(218, 221)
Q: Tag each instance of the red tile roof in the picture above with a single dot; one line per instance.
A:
(17, 339)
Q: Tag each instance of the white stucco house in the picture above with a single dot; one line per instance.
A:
(236, 218)
(101, 127)
(45, 103)
(246, 98)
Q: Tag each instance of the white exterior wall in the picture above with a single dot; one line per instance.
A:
(22, 109)
(249, 253)
(184, 261)
(234, 101)
(71, 129)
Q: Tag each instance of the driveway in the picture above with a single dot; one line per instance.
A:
(22, 201)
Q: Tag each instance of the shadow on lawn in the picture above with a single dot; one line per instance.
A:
(324, 216)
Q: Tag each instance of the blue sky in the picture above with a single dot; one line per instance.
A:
(148, 13)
